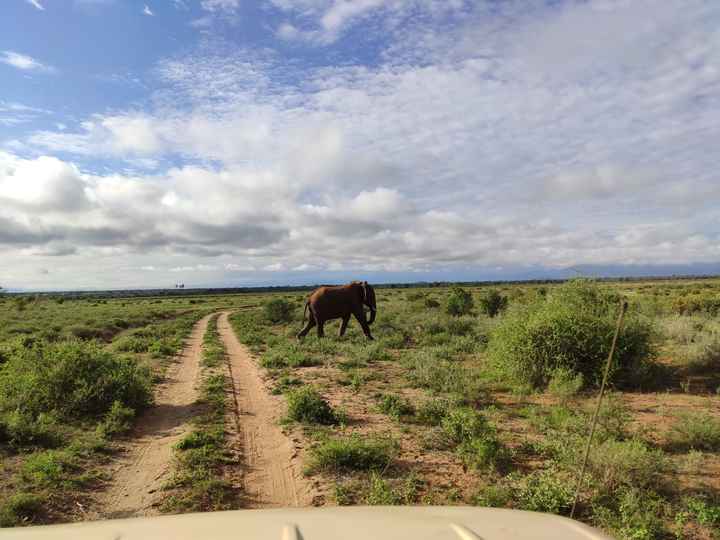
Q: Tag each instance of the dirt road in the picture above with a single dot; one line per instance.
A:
(272, 467)
(147, 462)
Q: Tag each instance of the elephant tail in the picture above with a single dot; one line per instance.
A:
(307, 305)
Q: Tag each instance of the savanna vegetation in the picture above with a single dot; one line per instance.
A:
(483, 396)
(74, 375)
(469, 395)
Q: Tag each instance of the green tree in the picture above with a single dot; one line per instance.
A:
(460, 302)
(492, 302)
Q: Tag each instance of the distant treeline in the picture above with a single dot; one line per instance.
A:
(145, 293)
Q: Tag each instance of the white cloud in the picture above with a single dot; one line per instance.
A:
(481, 143)
(147, 11)
(36, 4)
(220, 5)
(24, 62)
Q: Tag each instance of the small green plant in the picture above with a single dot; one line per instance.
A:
(704, 511)
(565, 383)
(306, 405)
(432, 412)
(20, 508)
(545, 491)
(494, 496)
(353, 453)
(279, 310)
(395, 406)
(696, 431)
(476, 440)
(492, 302)
(459, 302)
(117, 420)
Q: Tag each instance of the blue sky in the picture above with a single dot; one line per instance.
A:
(233, 142)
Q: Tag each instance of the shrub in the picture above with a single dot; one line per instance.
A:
(288, 357)
(306, 405)
(395, 406)
(19, 429)
(279, 310)
(48, 468)
(459, 302)
(71, 380)
(432, 412)
(431, 303)
(19, 508)
(460, 327)
(445, 376)
(352, 453)
(118, 420)
(134, 344)
(492, 302)
(476, 441)
(571, 329)
(632, 464)
(631, 513)
(705, 512)
(162, 348)
(464, 424)
(545, 491)
(565, 383)
(698, 431)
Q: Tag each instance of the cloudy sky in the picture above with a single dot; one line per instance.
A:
(236, 142)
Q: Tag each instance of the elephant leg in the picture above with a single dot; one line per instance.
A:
(321, 329)
(360, 316)
(344, 324)
(311, 322)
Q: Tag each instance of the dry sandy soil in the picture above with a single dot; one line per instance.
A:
(268, 468)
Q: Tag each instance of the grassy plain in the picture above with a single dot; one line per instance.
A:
(428, 413)
(436, 410)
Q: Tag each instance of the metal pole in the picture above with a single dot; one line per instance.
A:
(623, 309)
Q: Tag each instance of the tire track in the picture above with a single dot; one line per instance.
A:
(272, 469)
(135, 486)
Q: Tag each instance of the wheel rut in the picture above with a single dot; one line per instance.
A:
(137, 478)
(272, 469)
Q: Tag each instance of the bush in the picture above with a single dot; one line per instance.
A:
(306, 405)
(545, 491)
(565, 383)
(492, 302)
(279, 310)
(354, 453)
(445, 376)
(19, 429)
(572, 329)
(19, 508)
(395, 406)
(118, 420)
(431, 303)
(71, 380)
(288, 357)
(460, 302)
(432, 412)
(696, 432)
(475, 438)
(631, 464)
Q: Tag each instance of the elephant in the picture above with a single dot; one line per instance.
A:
(340, 302)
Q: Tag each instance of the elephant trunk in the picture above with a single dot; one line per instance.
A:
(373, 312)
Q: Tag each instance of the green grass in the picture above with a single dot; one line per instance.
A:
(353, 453)
(307, 406)
(696, 431)
(198, 483)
